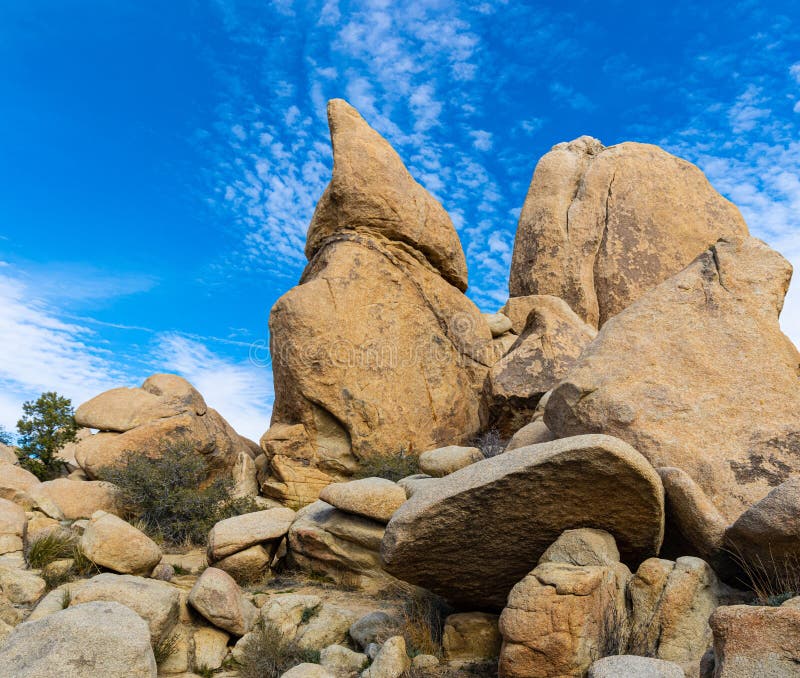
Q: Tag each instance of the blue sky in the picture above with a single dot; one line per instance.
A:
(161, 161)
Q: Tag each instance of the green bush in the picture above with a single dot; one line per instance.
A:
(170, 496)
(51, 546)
(392, 466)
(47, 424)
(268, 654)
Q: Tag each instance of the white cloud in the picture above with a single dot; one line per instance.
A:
(794, 71)
(481, 139)
(240, 391)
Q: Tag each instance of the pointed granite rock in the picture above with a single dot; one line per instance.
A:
(372, 192)
(602, 225)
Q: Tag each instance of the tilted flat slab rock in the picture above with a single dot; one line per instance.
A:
(86, 641)
(371, 191)
(601, 226)
(475, 533)
(375, 498)
(121, 409)
(240, 532)
(674, 372)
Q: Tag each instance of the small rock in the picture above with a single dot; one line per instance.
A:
(424, 662)
(110, 542)
(86, 641)
(391, 661)
(210, 647)
(375, 498)
(413, 483)
(325, 628)
(583, 546)
(286, 611)
(446, 460)
(498, 323)
(13, 526)
(250, 565)
(217, 597)
(628, 666)
(240, 532)
(21, 586)
(341, 660)
(376, 626)
(308, 671)
(531, 434)
(471, 636)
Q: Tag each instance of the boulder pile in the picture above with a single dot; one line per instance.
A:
(601, 479)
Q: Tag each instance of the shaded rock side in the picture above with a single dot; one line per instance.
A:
(472, 535)
(550, 343)
(602, 225)
(673, 373)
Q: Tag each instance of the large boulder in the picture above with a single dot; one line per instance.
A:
(756, 641)
(551, 341)
(79, 499)
(601, 226)
(86, 641)
(377, 350)
(218, 598)
(560, 618)
(472, 535)
(165, 410)
(13, 527)
(110, 542)
(241, 532)
(674, 372)
(373, 498)
(156, 602)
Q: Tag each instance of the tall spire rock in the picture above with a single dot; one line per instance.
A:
(602, 225)
(372, 193)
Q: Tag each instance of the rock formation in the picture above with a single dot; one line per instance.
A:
(496, 517)
(601, 226)
(377, 350)
(674, 372)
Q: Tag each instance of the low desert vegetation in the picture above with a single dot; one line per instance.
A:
(423, 615)
(168, 495)
(773, 580)
(490, 443)
(393, 466)
(165, 648)
(57, 545)
(267, 653)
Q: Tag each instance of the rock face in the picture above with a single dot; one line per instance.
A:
(85, 641)
(471, 636)
(13, 527)
(217, 597)
(631, 666)
(756, 641)
(377, 350)
(673, 373)
(496, 518)
(166, 409)
(601, 226)
(550, 343)
(559, 618)
(110, 542)
(79, 499)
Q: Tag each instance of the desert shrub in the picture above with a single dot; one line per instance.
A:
(47, 424)
(81, 565)
(169, 494)
(773, 580)
(165, 648)
(423, 615)
(490, 443)
(267, 653)
(392, 466)
(49, 547)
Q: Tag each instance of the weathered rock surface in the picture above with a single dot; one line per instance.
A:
(673, 372)
(526, 499)
(85, 641)
(324, 539)
(551, 341)
(631, 666)
(375, 498)
(561, 617)
(601, 226)
(377, 350)
(756, 641)
(446, 460)
(79, 499)
(217, 597)
(531, 434)
(210, 647)
(375, 627)
(471, 636)
(240, 532)
(21, 587)
(13, 527)
(342, 661)
(391, 662)
(248, 566)
(154, 601)
(307, 670)
(165, 410)
(499, 323)
(672, 602)
(768, 533)
(286, 612)
(584, 546)
(110, 542)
